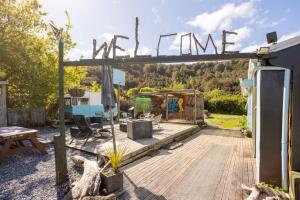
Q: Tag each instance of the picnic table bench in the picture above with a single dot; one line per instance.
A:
(12, 140)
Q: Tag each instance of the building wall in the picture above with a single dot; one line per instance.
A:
(270, 126)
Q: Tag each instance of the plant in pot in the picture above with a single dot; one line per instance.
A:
(112, 178)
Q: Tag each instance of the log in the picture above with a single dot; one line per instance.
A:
(261, 192)
(89, 183)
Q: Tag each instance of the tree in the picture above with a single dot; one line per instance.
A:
(28, 54)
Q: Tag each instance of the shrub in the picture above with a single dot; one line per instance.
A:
(217, 101)
(116, 158)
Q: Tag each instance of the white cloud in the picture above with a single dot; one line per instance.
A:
(76, 53)
(143, 50)
(265, 22)
(163, 2)
(107, 36)
(185, 42)
(243, 33)
(157, 18)
(223, 18)
(254, 47)
(289, 36)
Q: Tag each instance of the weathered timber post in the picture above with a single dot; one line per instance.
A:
(3, 105)
(167, 108)
(119, 102)
(60, 141)
(195, 107)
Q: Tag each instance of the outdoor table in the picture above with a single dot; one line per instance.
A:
(12, 140)
(139, 128)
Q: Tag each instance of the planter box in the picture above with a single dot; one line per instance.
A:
(112, 183)
(138, 129)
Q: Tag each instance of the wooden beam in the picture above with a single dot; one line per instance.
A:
(167, 107)
(195, 107)
(119, 102)
(161, 59)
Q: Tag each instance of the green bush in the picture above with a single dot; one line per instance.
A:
(217, 101)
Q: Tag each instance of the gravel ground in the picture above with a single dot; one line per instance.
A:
(31, 175)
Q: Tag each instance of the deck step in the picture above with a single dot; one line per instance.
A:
(173, 145)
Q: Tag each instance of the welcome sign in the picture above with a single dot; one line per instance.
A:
(112, 46)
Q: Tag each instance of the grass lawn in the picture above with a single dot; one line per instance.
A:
(228, 121)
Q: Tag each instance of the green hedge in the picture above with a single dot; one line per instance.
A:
(217, 101)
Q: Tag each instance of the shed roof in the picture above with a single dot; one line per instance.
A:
(170, 92)
(285, 44)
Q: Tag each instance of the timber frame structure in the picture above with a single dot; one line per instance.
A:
(286, 57)
(197, 98)
(59, 141)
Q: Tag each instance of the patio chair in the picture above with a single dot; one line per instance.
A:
(88, 129)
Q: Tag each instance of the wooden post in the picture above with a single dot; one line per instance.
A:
(195, 107)
(167, 108)
(3, 106)
(60, 141)
(112, 117)
(119, 101)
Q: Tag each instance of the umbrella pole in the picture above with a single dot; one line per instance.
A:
(112, 121)
(112, 127)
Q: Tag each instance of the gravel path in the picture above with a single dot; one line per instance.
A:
(31, 175)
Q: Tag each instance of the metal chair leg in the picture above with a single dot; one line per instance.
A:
(71, 141)
(87, 137)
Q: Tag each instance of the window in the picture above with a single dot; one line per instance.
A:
(84, 101)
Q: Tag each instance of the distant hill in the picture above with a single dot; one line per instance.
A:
(202, 76)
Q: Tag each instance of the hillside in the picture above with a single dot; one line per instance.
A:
(203, 76)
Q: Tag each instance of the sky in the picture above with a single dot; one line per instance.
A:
(101, 19)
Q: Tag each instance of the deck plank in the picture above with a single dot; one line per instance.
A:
(210, 165)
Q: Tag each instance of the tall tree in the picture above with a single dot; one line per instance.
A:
(28, 54)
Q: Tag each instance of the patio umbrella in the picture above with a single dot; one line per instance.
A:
(108, 97)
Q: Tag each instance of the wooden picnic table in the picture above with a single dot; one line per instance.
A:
(12, 140)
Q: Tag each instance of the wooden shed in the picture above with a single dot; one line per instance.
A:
(177, 105)
(3, 103)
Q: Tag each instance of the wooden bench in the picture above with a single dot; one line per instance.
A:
(12, 139)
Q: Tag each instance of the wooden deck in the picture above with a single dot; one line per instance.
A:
(167, 133)
(211, 164)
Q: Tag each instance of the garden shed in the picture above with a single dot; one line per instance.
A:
(3, 103)
(176, 105)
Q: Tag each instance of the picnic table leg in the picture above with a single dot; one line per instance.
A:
(4, 152)
(37, 144)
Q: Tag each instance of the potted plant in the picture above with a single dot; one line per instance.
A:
(112, 178)
(76, 92)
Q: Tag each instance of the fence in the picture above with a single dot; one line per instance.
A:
(32, 117)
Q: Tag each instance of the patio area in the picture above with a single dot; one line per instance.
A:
(211, 164)
(167, 133)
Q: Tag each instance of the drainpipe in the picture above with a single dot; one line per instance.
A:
(284, 138)
(284, 130)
